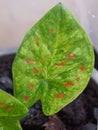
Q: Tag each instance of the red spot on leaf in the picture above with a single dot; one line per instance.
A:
(51, 30)
(2, 105)
(31, 86)
(30, 60)
(60, 95)
(37, 41)
(9, 109)
(35, 70)
(69, 83)
(82, 68)
(60, 64)
(72, 56)
(26, 98)
(78, 79)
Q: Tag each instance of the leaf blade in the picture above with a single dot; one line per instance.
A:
(9, 124)
(64, 58)
(11, 107)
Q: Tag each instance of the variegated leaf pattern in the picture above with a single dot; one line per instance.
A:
(11, 110)
(54, 62)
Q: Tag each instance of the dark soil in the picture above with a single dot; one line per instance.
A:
(96, 60)
(81, 114)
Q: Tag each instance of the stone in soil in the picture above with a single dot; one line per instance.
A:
(7, 82)
(89, 126)
(2, 87)
(96, 113)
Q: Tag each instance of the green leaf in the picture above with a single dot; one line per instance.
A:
(11, 110)
(10, 107)
(9, 124)
(54, 62)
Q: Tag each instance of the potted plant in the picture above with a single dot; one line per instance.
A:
(53, 64)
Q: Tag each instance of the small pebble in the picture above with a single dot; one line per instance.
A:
(33, 111)
(2, 87)
(38, 106)
(96, 113)
(7, 82)
(89, 126)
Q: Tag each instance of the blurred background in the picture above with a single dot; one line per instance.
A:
(18, 16)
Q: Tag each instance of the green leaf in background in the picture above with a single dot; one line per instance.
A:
(11, 107)
(54, 62)
(11, 110)
(9, 124)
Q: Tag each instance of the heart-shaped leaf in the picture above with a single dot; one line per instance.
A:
(54, 62)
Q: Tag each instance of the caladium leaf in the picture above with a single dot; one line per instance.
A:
(11, 110)
(11, 107)
(54, 62)
(9, 124)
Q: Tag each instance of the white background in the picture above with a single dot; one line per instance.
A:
(18, 16)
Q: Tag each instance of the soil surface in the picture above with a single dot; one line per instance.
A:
(81, 114)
